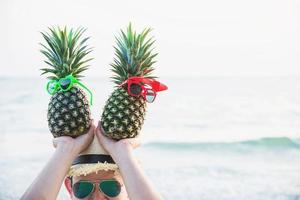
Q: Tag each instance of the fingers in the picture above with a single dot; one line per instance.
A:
(133, 142)
(90, 133)
(99, 129)
(92, 127)
(80, 143)
(100, 133)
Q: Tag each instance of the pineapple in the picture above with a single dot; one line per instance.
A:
(123, 115)
(68, 110)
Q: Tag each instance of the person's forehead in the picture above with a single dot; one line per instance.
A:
(98, 176)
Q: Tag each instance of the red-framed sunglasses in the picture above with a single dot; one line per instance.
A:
(147, 87)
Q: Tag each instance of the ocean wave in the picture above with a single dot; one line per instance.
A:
(275, 143)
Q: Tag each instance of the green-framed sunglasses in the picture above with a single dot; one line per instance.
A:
(65, 84)
(110, 188)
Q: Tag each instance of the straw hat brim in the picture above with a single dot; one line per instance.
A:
(92, 160)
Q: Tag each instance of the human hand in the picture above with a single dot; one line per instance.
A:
(75, 145)
(113, 147)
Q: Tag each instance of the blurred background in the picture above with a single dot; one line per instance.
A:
(227, 128)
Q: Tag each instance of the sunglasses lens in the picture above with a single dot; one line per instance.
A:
(150, 96)
(135, 89)
(65, 83)
(110, 188)
(82, 189)
(51, 87)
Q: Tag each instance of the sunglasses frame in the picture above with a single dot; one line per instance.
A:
(143, 92)
(58, 85)
(55, 85)
(155, 86)
(98, 182)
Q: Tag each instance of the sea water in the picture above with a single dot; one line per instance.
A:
(208, 138)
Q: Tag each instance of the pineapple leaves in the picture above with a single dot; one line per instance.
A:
(65, 52)
(134, 55)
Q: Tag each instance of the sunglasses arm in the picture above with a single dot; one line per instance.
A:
(123, 83)
(156, 85)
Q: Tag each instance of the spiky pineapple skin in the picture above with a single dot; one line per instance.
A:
(123, 115)
(69, 113)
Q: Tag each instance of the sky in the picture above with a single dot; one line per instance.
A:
(193, 38)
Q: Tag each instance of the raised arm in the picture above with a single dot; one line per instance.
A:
(137, 184)
(47, 184)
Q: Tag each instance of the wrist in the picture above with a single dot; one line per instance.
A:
(121, 147)
(67, 150)
(122, 155)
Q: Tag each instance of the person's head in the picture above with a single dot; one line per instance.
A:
(100, 185)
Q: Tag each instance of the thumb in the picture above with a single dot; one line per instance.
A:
(99, 131)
